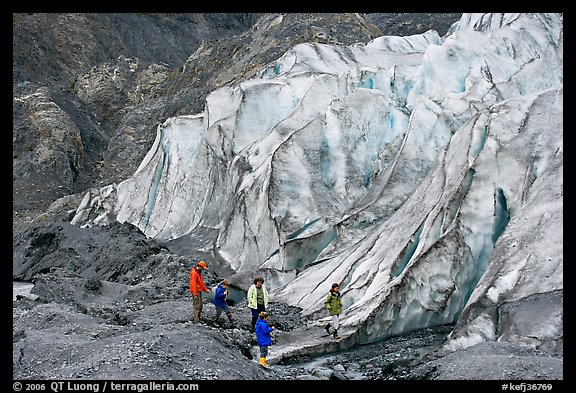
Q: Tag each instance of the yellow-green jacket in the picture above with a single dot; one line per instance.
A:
(251, 297)
(334, 303)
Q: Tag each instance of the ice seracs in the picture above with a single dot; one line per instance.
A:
(422, 173)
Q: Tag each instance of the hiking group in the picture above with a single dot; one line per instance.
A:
(257, 297)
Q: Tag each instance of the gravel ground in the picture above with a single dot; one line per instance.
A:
(120, 334)
(136, 324)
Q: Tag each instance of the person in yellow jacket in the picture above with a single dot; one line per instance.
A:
(257, 299)
(333, 303)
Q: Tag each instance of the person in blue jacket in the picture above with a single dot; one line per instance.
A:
(220, 302)
(263, 337)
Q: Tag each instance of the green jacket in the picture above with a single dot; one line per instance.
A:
(334, 303)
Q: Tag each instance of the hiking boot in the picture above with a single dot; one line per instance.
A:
(327, 327)
(231, 318)
(335, 335)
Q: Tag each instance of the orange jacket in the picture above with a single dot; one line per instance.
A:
(196, 282)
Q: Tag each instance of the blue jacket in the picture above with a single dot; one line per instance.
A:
(263, 333)
(219, 296)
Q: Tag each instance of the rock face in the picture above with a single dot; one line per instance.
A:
(49, 152)
(92, 77)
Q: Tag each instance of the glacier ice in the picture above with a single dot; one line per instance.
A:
(423, 173)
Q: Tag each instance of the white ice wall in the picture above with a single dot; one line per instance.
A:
(391, 167)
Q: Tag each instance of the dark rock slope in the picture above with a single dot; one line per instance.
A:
(79, 83)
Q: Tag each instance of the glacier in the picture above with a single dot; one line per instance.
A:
(422, 173)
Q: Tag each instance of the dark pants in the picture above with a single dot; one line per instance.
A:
(226, 308)
(255, 312)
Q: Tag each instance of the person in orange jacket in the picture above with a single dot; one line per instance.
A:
(197, 286)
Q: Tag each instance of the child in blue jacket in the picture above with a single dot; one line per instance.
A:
(263, 337)
(220, 302)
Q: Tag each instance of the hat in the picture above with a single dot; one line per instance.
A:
(202, 265)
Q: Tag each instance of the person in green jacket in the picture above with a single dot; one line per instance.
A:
(334, 305)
